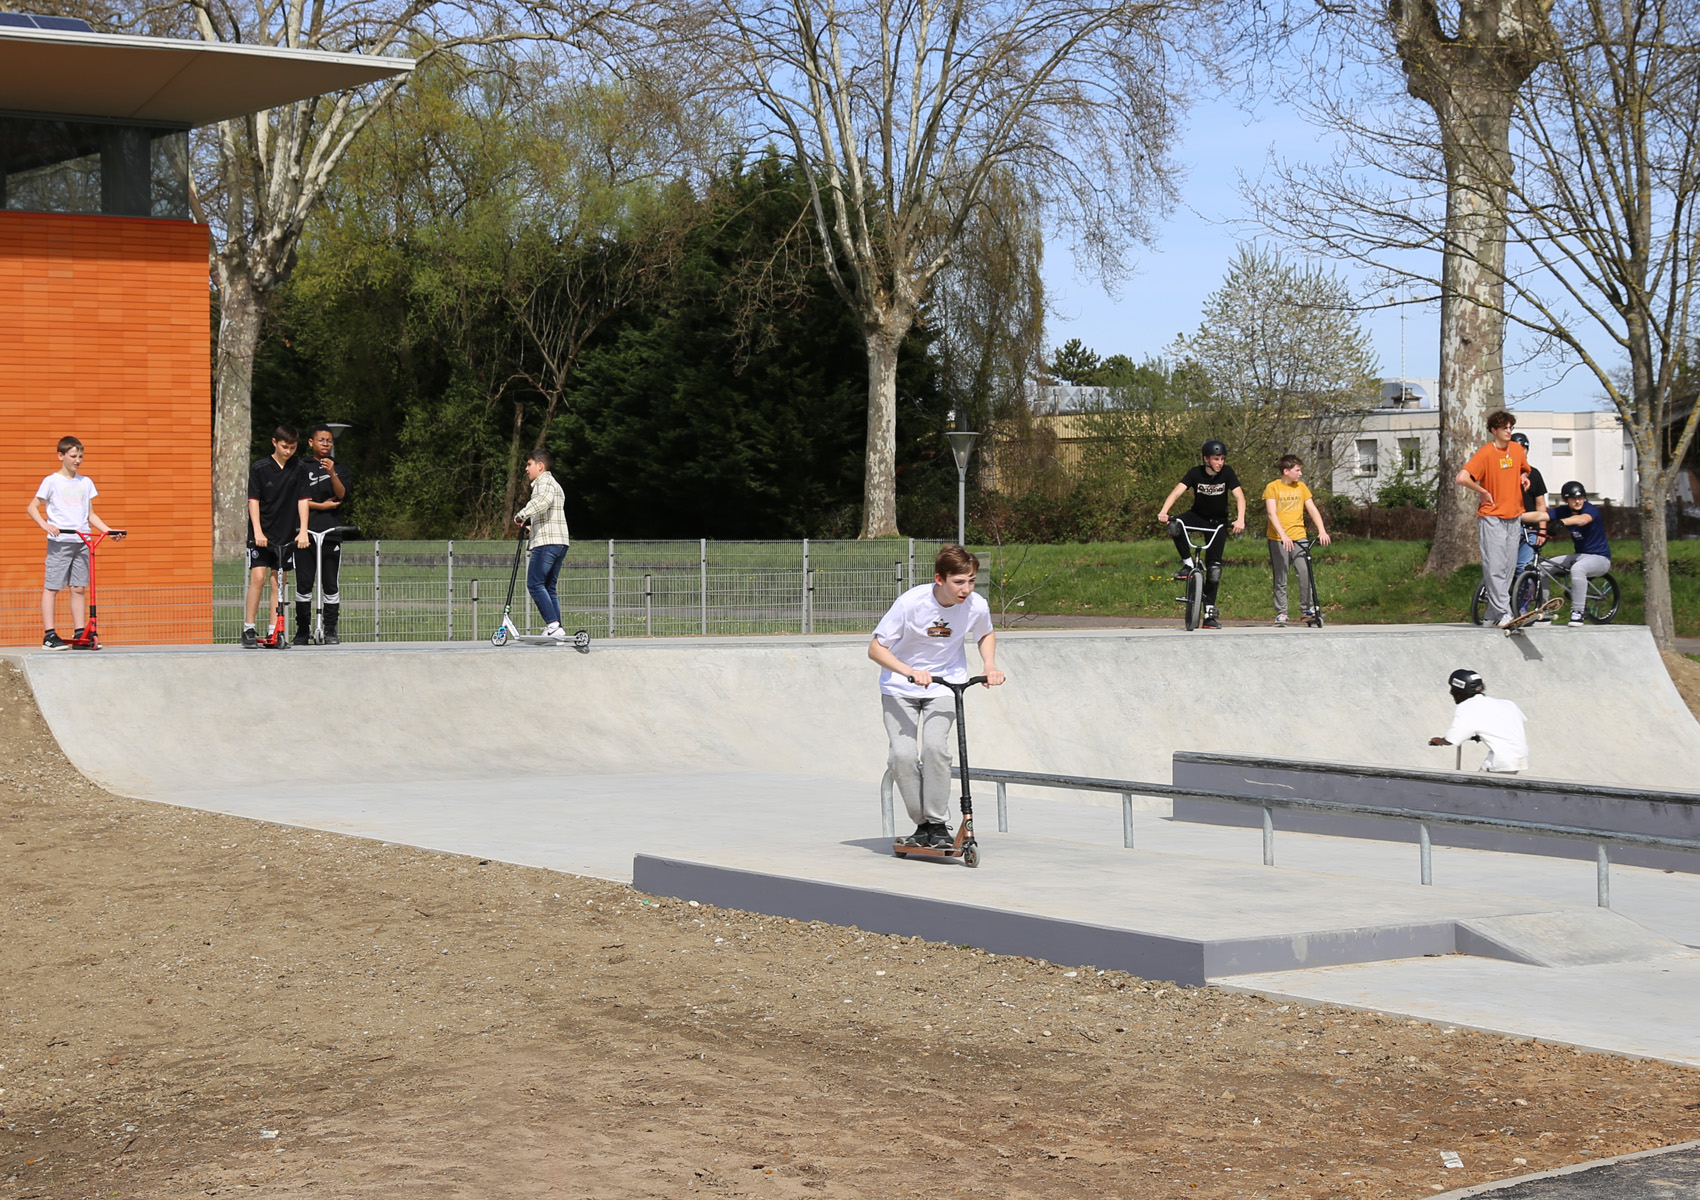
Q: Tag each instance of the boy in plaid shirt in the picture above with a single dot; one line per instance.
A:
(546, 513)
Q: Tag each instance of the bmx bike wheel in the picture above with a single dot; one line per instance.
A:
(500, 637)
(1195, 600)
(970, 856)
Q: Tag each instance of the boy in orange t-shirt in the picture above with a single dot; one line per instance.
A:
(1495, 473)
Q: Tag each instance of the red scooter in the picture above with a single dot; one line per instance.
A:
(89, 638)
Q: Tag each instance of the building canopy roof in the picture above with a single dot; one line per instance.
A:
(68, 72)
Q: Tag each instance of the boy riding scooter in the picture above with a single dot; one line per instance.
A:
(925, 634)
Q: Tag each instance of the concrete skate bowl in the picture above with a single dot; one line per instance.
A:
(165, 723)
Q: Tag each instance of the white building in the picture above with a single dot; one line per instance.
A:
(1404, 435)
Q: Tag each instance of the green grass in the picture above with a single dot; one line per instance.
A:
(1362, 581)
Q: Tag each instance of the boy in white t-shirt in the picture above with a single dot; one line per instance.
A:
(68, 498)
(925, 634)
(1480, 717)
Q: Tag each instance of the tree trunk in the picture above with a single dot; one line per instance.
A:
(1655, 560)
(514, 460)
(879, 484)
(1472, 329)
(241, 312)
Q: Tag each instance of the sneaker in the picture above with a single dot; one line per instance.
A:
(250, 639)
(921, 837)
(1505, 620)
(331, 638)
(1210, 621)
(1575, 622)
(1182, 575)
(940, 836)
(300, 638)
(1280, 620)
(52, 641)
(555, 631)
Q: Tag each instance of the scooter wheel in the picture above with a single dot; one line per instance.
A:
(500, 637)
(970, 856)
(900, 854)
(581, 640)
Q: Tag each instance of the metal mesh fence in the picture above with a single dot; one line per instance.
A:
(396, 591)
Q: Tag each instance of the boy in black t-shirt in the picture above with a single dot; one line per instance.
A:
(277, 513)
(1211, 485)
(325, 482)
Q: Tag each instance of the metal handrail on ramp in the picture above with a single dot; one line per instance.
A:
(1129, 788)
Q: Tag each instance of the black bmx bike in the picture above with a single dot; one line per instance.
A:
(1194, 597)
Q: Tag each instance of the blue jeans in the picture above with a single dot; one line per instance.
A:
(540, 576)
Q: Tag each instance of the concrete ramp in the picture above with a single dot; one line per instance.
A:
(173, 722)
(1575, 937)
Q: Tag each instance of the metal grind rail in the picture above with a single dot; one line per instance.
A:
(1127, 788)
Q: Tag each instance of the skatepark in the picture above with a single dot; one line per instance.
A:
(743, 775)
(673, 763)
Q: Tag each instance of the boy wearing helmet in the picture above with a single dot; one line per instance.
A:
(1211, 484)
(1592, 552)
(1479, 717)
(1534, 508)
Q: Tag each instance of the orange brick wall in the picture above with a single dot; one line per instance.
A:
(104, 335)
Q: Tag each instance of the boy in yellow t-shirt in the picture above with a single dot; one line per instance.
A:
(1287, 500)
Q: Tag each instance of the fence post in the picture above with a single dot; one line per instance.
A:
(377, 595)
(648, 606)
(702, 585)
(805, 585)
(475, 610)
(451, 632)
(897, 569)
(911, 562)
(610, 587)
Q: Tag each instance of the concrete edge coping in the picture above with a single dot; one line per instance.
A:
(1484, 1189)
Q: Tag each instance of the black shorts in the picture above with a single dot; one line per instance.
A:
(267, 556)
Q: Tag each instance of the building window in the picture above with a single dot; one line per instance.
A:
(58, 166)
(1366, 456)
(1560, 446)
(1411, 454)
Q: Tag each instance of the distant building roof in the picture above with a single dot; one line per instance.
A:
(58, 66)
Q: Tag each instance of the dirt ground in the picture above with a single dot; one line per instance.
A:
(205, 1005)
(1685, 673)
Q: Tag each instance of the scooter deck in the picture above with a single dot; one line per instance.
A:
(968, 851)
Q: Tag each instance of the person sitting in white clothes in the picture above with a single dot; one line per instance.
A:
(1499, 723)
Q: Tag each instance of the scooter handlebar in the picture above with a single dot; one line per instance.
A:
(955, 687)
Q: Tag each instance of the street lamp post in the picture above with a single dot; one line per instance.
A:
(961, 449)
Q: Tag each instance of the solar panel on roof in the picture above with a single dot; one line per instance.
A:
(30, 21)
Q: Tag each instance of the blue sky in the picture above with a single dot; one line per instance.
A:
(1194, 246)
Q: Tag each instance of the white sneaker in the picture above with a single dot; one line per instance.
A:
(1280, 620)
(1504, 621)
(554, 630)
(1575, 622)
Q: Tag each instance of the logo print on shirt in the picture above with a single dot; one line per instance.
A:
(1211, 489)
(940, 628)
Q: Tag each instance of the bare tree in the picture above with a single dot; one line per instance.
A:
(1595, 189)
(1469, 75)
(266, 172)
(901, 111)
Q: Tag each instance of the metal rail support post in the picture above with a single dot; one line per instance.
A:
(648, 605)
(1425, 853)
(1268, 838)
(475, 610)
(1003, 807)
(1127, 820)
(1602, 875)
(805, 585)
(610, 587)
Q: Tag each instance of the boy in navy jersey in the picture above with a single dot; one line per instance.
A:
(1592, 552)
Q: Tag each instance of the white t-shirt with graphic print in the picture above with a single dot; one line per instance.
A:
(932, 636)
(67, 501)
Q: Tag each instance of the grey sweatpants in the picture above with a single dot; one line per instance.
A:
(1279, 560)
(1499, 537)
(919, 731)
(1582, 567)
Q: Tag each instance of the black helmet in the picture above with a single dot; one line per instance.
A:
(1573, 489)
(1522, 439)
(1465, 682)
(1213, 447)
